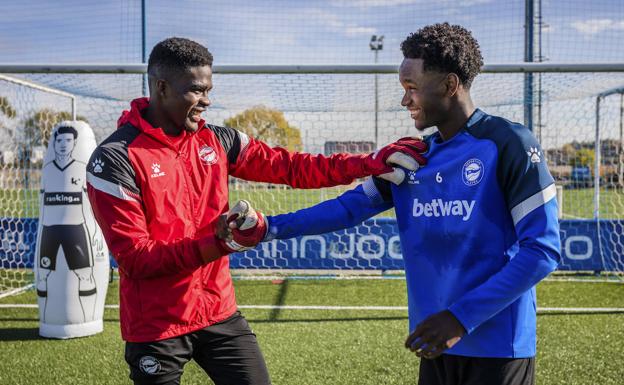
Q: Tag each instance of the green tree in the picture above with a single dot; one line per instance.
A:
(268, 125)
(568, 153)
(38, 126)
(6, 108)
(584, 157)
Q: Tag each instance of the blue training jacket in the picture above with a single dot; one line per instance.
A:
(478, 227)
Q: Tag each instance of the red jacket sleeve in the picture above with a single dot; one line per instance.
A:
(117, 208)
(139, 257)
(261, 163)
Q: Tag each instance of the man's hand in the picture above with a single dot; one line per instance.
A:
(406, 152)
(222, 230)
(435, 334)
(246, 227)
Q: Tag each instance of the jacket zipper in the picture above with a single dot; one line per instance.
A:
(186, 181)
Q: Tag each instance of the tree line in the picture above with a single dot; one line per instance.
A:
(261, 122)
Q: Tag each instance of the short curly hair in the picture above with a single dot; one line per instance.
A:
(177, 54)
(445, 48)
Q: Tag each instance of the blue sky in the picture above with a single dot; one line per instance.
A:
(313, 31)
(316, 32)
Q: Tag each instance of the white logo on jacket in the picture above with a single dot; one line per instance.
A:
(534, 154)
(208, 155)
(156, 170)
(472, 172)
(411, 178)
(441, 208)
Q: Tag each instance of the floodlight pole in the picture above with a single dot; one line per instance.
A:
(529, 40)
(376, 45)
(143, 44)
(597, 150)
(621, 157)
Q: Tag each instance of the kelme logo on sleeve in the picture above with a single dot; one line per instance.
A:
(534, 154)
(97, 165)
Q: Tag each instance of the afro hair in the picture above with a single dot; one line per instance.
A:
(445, 48)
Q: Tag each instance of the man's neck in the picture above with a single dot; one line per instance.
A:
(458, 115)
(154, 116)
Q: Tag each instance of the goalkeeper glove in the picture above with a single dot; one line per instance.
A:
(405, 152)
(248, 226)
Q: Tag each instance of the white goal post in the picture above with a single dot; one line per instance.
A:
(576, 113)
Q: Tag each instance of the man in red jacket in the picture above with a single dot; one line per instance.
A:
(157, 186)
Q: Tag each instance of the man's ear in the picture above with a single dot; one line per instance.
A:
(161, 87)
(452, 84)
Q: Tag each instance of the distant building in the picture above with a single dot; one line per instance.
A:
(353, 147)
(7, 157)
(37, 154)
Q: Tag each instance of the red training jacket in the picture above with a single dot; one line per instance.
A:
(157, 201)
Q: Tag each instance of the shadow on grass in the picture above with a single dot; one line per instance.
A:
(280, 299)
(19, 334)
(36, 319)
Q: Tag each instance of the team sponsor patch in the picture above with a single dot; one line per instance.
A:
(440, 208)
(149, 365)
(472, 172)
(208, 155)
(62, 198)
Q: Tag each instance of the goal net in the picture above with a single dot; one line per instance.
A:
(577, 117)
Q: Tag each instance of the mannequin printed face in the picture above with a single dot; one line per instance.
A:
(64, 144)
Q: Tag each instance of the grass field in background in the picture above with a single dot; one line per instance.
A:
(327, 347)
(577, 203)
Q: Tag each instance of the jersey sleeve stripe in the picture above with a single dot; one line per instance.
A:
(531, 203)
(371, 191)
(110, 188)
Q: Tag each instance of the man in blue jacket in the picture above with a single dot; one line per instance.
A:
(478, 224)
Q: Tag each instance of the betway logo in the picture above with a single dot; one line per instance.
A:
(441, 208)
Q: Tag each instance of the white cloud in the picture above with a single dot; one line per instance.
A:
(596, 26)
(373, 3)
(470, 3)
(548, 28)
(356, 31)
(335, 23)
(393, 3)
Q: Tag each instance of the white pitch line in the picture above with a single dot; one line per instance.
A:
(316, 278)
(394, 277)
(16, 291)
(321, 307)
(582, 280)
(540, 310)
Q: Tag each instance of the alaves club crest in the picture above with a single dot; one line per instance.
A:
(472, 172)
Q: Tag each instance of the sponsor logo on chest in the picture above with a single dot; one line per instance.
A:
(441, 208)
